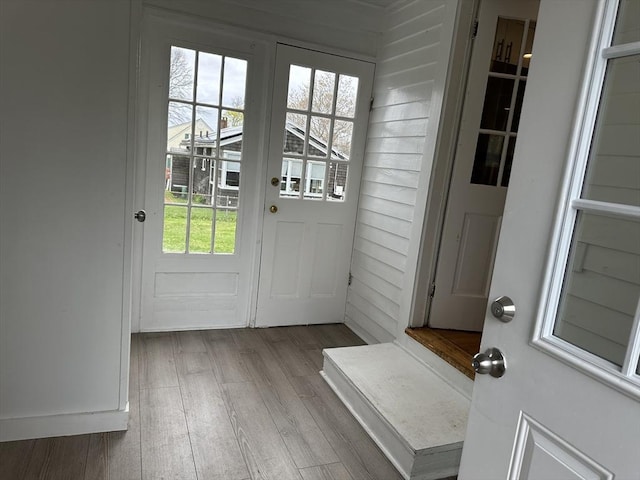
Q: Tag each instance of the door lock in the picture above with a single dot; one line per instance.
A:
(273, 209)
(503, 309)
(140, 215)
(275, 181)
(492, 362)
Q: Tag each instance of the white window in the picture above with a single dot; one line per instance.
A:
(592, 315)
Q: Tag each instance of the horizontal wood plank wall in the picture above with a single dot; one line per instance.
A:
(407, 65)
(346, 26)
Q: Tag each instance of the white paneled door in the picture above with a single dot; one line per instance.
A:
(318, 128)
(568, 404)
(197, 164)
(488, 132)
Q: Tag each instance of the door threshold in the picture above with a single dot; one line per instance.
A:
(456, 347)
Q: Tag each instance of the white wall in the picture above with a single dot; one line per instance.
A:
(408, 91)
(63, 111)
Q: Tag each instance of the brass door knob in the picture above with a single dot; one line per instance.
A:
(273, 209)
(275, 181)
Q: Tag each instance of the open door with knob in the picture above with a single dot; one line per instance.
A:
(319, 118)
(569, 256)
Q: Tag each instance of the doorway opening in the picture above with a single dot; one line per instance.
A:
(467, 212)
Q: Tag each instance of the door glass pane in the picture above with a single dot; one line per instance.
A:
(199, 136)
(177, 179)
(627, 28)
(181, 73)
(337, 181)
(347, 95)
(314, 180)
(517, 109)
(486, 165)
(342, 135)
(507, 45)
(528, 49)
(294, 133)
(226, 226)
(508, 162)
(497, 103)
(209, 71)
(200, 230)
(601, 288)
(291, 178)
(233, 85)
(299, 87)
(174, 236)
(319, 136)
(613, 174)
(323, 88)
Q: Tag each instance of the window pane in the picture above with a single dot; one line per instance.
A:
(294, 133)
(601, 287)
(526, 57)
(299, 87)
(337, 181)
(181, 73)
(231, 128)
(628, 23)
(174, 235)
(202, 188)
(177, 179)
(508, 162)
(517, 110)
(497, 102)
(291, 178)
(314, 180)
(342, 135)
(487, 159)
(233, 88)
(228, 178)
(225, 237)
(179, 127)
(323, 87)
(613, 174)
(209, 67)
(200, 230)
(319, 136)
(347, 96)
(506, 45)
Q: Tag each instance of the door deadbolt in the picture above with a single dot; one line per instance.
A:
(492, 362)
(140, 215)
(273, 209)
(503, 309)
(275, 181)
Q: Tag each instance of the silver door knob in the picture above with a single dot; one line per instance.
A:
(503, 309)
(140, 215)
(492, 362)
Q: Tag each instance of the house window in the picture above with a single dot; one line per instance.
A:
(594, 317)
(205, 118)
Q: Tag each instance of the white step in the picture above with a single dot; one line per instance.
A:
(413, 415)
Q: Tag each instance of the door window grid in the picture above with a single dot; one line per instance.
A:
(503, 101)
(318, 134)
(589, 221)
(204, 133)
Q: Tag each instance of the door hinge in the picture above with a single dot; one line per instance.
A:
(474, 29)
(371, 104)
(350, 278)
(432, 290)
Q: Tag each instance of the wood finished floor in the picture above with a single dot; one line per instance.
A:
(219, 405)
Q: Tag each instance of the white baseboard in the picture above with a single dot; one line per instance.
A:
(63, 425)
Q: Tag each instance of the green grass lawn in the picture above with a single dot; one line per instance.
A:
(175, 228)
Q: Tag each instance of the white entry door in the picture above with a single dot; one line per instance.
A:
(198, 159)
(488, 131)
(568, 405)
(318, 128)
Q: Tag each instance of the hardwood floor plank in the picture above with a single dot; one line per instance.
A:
(335, 471)
(304, 440)
(292, 360)
(166, 449)
(157, 367)
(216, 452)
(124, 451)
(264, 450)
(59, 458)
(14, 458)
(190, 341)
(357, 452)
(227, 364)
(97, 465)
(338, 335)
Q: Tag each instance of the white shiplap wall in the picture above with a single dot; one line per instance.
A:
(408, 62)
